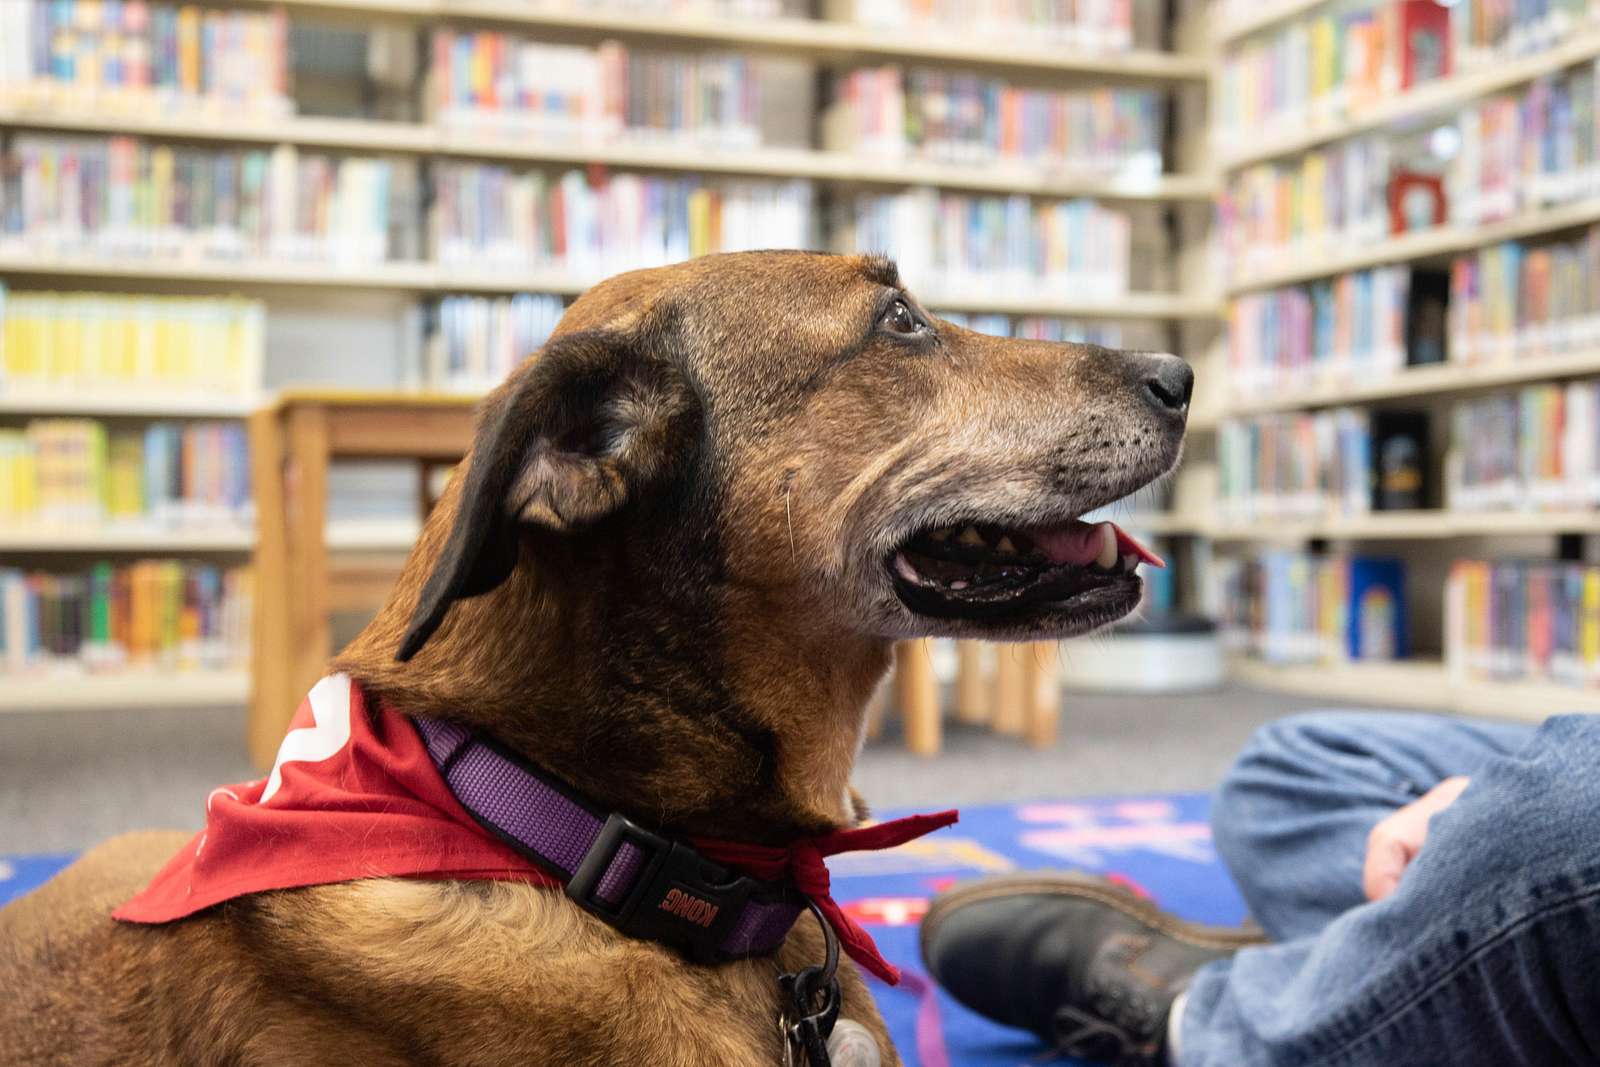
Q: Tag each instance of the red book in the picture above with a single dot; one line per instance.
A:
(1425, 42)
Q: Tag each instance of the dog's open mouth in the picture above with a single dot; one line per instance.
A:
(980, 571)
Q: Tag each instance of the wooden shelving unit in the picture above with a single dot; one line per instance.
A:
(125, 538)
(1420, 683)
(152, 405)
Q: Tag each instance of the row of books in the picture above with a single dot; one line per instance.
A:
(1341, 330)
(1527, 149)
(1301, 465)
(66, 344)
(1520, 619)
(1530, 449)
(1099, 25)
(1041, 328)
(1335, 62)
(993, 245)
(1517, 301)
(124, 196)
(1308, 206)
(129, 55)
(490, 80)
(150, 614)
(965, 118)
(474, 343)
(1342, 58)
(1287, 606)
(67, 473)
(488, 215)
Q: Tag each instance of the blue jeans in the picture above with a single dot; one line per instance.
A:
(1487, 955)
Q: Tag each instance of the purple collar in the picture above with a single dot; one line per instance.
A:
(645, 885)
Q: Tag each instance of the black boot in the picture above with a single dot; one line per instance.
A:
(1085, 964)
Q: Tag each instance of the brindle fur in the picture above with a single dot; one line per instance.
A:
(661, 577)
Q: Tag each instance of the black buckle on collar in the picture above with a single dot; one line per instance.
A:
(679, 897)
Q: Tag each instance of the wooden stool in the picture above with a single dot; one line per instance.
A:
(1023, 699)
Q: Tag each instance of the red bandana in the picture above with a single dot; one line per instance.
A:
(354, 794)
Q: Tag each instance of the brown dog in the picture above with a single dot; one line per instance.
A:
(671, 574)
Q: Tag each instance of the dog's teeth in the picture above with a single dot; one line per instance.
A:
(1108, 547)
(971, 536)
(1005, 546)
(1130, 562)
(940, 535)
(905, 569)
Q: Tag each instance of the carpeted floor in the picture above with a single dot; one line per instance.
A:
(1158, 846)
(68, 780)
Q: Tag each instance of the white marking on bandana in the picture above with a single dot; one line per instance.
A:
(330, 711)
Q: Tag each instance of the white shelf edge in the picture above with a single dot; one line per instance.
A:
(1309, 264)
(1424, 684)
(131, 404)
(837, 167)
(131, 538)
(1431, 380)
(70, 691)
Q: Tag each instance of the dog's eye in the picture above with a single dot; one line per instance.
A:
(901, 319)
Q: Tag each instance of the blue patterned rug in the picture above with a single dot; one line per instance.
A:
(1156, 845)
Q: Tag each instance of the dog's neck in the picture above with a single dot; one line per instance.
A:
(748, 734)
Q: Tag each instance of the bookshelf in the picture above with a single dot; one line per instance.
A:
(1412, 106)
(1177, 303)
(1284, 364)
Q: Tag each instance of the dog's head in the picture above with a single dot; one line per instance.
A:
(796, 430)
(691, 526)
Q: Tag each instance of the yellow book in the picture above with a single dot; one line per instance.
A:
(189, 49)
(699, 222)
(161, 168)
(1324, 55)
(1590, 629)
(125, 494)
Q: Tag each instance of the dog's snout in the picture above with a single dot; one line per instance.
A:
(1166, 381)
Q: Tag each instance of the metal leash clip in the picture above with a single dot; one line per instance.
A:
(811, 998)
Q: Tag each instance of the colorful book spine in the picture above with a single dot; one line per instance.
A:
(1296, 466)
(1344, 330)
(1319, 203)
(126, 197)
(148, 57)
(1523, 620)
(497, 81)
(71, 473)
(1287, 606)
(54, 345)
(594, 223)
(474, 343)
(1537, 448)
(965, 118)
(994, 245)
(151, 614)
(1042, 328)
(1518, 301)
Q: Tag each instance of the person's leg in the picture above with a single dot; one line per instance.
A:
(1291, 819)
(1484, 955)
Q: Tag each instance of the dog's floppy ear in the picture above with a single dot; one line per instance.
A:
(588, 424)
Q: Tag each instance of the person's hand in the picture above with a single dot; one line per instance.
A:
(1395, 841)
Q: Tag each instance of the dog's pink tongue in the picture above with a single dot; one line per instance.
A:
(1080, 544)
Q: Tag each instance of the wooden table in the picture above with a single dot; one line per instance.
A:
(300, 584)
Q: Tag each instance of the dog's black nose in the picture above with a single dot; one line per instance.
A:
(1167, 381)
